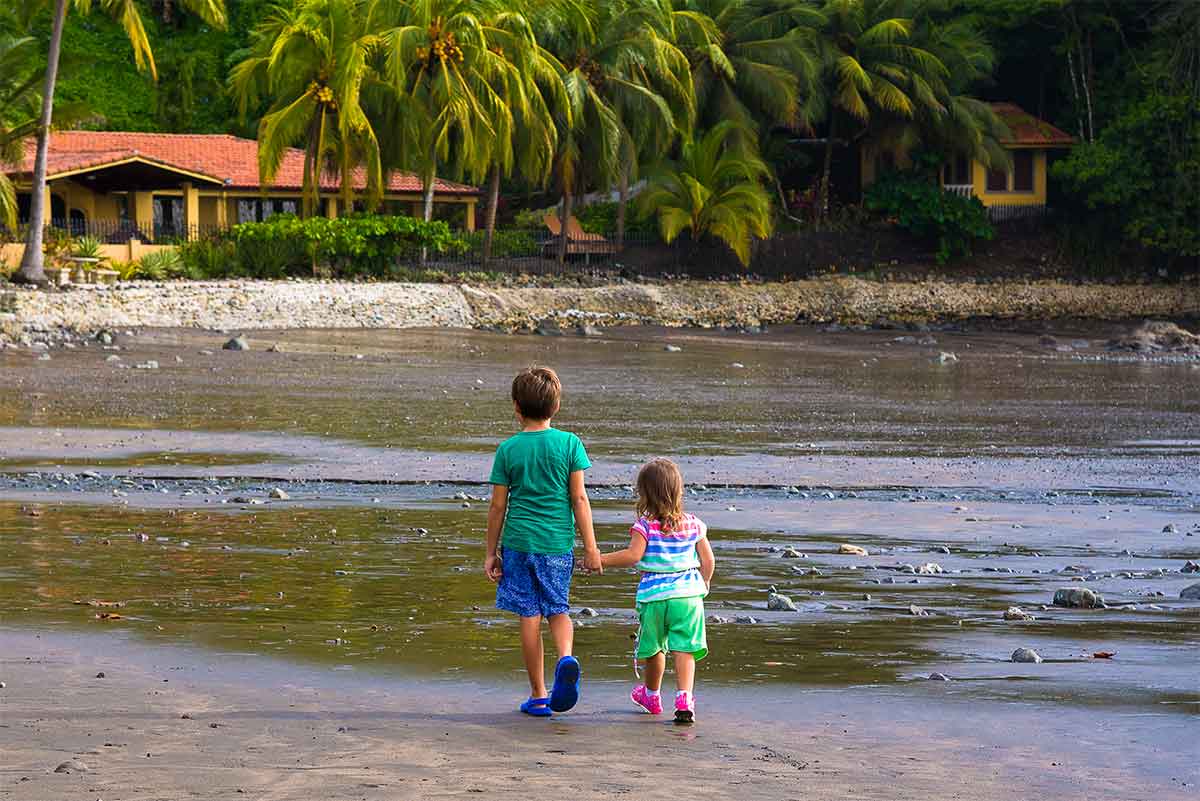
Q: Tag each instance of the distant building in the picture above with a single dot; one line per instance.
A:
(123, 185)
(1008, 191)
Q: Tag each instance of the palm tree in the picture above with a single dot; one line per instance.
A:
(763, 71)
(530, 92)
(130, 17)
(962, 125)
(628, 89)
(18, 113)
(872, 67)
(712, 190)
(452, 79)
(312, 60)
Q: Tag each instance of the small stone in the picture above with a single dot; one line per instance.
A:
(1017, 613)
(147, 365)
(672, 348)
(1078, 598)
(100, 675)
(143, 537)
(587, 330)
(717, 620)
(745, 620)
(791, 553)
(866, 596)
(237, 343)
(945, 357)
(1026, 655)
(45, 357)
(104, 336)
(938, 677)
(1170, 528)
(780, 603)
(588, 611)
(2, 685)
(1190, 567)
(918, 611)
(1191, 593)
(279, 495)
(112, 358)
(72, 766)
(943, 549)
(738, 366)
(930, 569)
(852, 550)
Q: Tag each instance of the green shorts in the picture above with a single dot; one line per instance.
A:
(675, 624)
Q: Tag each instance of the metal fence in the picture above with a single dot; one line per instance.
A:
(118, 232)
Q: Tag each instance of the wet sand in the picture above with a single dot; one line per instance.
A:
(264, 730)
(1019, 470)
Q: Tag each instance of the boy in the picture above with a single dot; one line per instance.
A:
(538, 499)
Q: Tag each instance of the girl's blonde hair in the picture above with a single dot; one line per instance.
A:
(660, 493)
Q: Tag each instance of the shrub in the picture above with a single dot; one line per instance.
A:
(358, 245)
(505, 244)
(209, 257)
(601, 218)
(919, 205)
(160, 265)
(87, 247)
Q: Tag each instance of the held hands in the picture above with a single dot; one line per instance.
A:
(493, 567)
(593, 562)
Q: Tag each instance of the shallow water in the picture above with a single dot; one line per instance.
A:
(1020, 462)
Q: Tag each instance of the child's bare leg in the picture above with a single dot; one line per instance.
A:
(531, 649)
(656, 666)
(685, 671)
(563, 632)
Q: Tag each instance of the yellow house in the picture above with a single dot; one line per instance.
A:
(1015, 190)
(123, 186)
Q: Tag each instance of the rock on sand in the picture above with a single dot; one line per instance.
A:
(1026, 655)
(1078, 598)
(852, 550)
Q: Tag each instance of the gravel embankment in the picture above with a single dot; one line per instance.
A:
(249, 305)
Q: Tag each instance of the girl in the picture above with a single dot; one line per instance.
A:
(671, 549)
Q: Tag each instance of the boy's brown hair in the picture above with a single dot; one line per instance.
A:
(537, 393)
(660, 493)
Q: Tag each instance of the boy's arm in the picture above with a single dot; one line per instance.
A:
(497, 508)
(708, 562)
(627, 557)
(583, 520)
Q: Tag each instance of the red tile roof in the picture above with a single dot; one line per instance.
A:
(1028, 130)
(230, 160)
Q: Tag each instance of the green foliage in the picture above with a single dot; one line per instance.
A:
(161, 265)
(601, 218)
(209, 257)
(1139, 180)
(87, 247)
(918, 205)
(359, 245)
(505, 244)
(712, 190)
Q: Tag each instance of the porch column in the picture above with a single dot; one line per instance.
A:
(331, 207)
(418, 209)
(470, 216)
(191, 210)
(47, 206)
(143, 213)
(222, 212)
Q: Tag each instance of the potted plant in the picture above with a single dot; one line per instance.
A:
(85, 256)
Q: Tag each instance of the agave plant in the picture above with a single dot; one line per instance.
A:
(87, 247)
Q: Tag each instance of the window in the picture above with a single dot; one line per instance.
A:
(259, 210)
(1022, 171)
(997, 181)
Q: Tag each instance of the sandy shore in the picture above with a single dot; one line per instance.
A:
(265, 730)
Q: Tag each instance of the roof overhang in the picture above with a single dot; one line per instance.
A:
(132, 172)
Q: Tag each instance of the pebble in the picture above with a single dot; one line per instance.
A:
(945, 357)
(1191, 593)
(1078, 598)
(1190, 567)
(279, 495)
(588, 611)
(112, 358)
(930, 569)
(779, 603)
(745, 619)
(738, 366)
(852, 550)
(146, 365)
(1170, 528)
(72, 766)
(672, 348)
(791, 553)
(1026, 655)
(938, 677)
(1017, 613)
(588, 330)
(717, 620)
(918, 611)
(100, 675)
(237, 343)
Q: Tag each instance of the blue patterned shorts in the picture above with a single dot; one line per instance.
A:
(535, 583)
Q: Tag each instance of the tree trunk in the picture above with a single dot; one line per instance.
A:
(564, 214)
(622, 199)
(428, 212)
(489, 226)
(823, 195)
(32, 262)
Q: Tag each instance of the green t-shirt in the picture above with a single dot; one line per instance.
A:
(536, 467)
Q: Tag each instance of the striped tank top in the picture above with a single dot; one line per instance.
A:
(670, 565)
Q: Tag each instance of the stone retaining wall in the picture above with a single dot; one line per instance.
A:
(248, 305)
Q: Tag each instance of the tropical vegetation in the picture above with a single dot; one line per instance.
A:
(712, 112)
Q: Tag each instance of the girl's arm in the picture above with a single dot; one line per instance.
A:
(708, 562)
(627, 557)
(497, 508)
